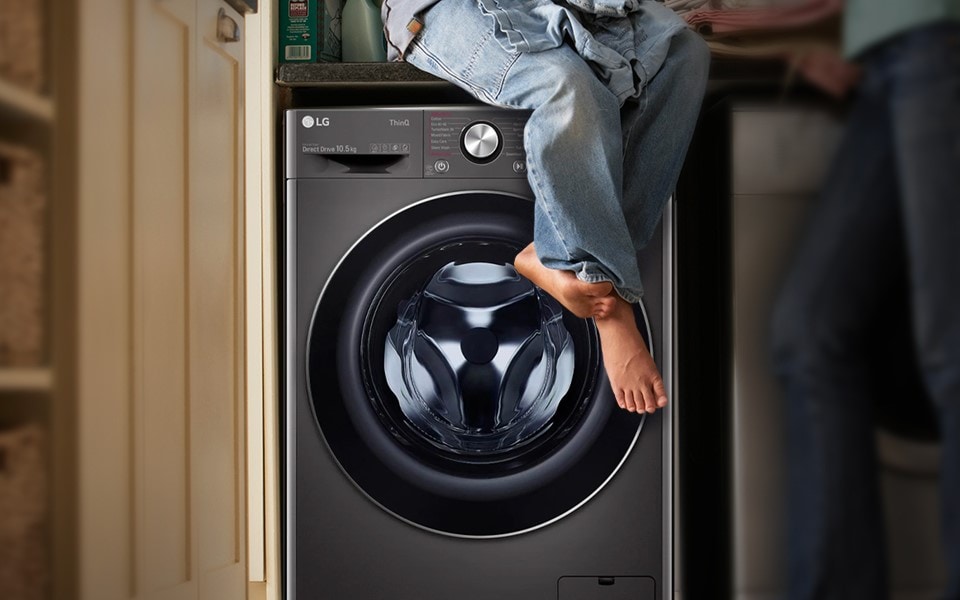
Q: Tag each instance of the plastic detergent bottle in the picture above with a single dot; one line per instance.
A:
(362, 32)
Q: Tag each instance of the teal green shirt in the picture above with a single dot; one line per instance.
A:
(867, 22)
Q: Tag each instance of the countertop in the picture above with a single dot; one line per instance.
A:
(329, 84)
(297, 75)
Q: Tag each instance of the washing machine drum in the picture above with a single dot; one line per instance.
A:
(479, 360)
(454, 393)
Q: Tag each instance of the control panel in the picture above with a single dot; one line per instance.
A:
(474, 143)
(446, 142)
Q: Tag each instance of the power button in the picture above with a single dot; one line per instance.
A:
(441, 166)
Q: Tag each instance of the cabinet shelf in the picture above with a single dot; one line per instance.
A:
(19, 103)
(25, 379)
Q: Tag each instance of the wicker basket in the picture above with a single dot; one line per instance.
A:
(22, 237)
(22, 43)
(23, 510)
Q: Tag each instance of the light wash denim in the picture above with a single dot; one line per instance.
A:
(602, 156)
(400, 17)
(882, 255)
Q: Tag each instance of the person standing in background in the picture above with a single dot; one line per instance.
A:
(888, 221)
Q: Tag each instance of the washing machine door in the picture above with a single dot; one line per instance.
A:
(450, 390)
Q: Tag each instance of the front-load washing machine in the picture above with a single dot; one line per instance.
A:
(449, 430)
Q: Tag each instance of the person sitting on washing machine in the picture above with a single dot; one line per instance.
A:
(615, 87)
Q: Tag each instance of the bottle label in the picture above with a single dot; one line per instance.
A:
(298, 8)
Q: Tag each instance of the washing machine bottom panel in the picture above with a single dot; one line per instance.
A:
(347, 547)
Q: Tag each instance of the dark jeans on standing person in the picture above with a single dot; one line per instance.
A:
(888, 223)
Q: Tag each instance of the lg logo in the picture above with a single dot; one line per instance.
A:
(309, 122)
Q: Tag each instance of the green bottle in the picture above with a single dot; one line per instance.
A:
(362, 32)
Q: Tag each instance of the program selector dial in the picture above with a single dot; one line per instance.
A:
(481, 142)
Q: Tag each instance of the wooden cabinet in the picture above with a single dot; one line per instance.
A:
(156, 384)
(161, 346)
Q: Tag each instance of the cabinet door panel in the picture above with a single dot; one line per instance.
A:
(160, 211)
(217, 298)
(169, 513)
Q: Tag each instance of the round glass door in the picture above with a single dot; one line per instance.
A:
(450, 390)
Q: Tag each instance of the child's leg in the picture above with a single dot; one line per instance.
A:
(657, 130)
(573, 141)
(575, 158)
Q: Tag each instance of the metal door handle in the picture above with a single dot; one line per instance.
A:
(227, 29)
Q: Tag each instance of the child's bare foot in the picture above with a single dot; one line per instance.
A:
(633, 375)
(579, 297)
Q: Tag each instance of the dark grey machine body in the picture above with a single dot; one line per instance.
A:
(347, 174)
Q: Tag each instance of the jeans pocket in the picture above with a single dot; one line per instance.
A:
(459, 44)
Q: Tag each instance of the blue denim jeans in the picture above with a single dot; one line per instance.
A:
(888, 225)
(601, 167)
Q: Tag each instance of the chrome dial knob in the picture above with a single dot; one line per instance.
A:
(481, 142)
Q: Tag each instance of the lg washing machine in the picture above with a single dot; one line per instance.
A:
(450, 433)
